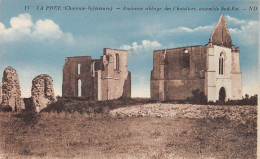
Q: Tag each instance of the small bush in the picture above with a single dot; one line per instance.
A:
(245, 101)
(197, 97)
(29, 117)
(6, 109)
(85, 105)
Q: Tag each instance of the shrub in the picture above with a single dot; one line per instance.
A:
(245, 101)
(6, 109)
(198, 97)
(253, 100)
(85, 105)
(29, 117)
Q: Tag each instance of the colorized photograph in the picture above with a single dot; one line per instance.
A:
(129, 79)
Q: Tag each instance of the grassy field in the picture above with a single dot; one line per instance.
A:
(65, 135)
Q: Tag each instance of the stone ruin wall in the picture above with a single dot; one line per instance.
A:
(100, 80)
(11, 93)
(42, 92)
(71, 77)
(116, 83)
(169, 77)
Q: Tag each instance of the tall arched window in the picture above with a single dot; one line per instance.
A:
(79, 88)
(78, 69)
(116, 62)
(186, 59)
(221, 64)
(93, 68)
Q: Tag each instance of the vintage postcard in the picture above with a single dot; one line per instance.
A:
(129, 78)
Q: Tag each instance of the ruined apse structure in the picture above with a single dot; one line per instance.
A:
(213, 68)
(97, 79)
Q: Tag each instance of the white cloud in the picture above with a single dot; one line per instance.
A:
(234, 20)
(22, 27)
(145, 44)
(245, 32)
(21, 22)
(150, 44)
(200, 28)
(47, 29)
(2, 27)
(187, 30)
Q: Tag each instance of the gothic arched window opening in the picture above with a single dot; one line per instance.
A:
(79, 88)
(78, 69)
(93, 68)
(221, 64)
(186, 59)
(116, 62)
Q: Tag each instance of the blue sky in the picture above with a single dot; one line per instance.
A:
(37, 42)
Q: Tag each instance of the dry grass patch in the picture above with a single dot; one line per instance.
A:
(65, 135)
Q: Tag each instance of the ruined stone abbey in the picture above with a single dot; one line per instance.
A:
(213, 68)
(98, 79)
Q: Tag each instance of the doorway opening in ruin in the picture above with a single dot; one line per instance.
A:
(79, 88)
(222, 94)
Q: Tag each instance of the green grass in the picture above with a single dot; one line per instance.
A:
(65, 135)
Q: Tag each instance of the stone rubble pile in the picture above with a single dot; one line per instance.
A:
(238, 113)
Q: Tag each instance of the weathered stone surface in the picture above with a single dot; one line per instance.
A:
(166, 110)
(42, 92)
(106, 78)
(210, 68)
(177, 72)
(11, 93)
(220, 35)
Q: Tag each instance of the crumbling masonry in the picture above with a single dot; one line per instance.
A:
(11, 93)
(42, 92)
(213, 68)
(98, 79)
